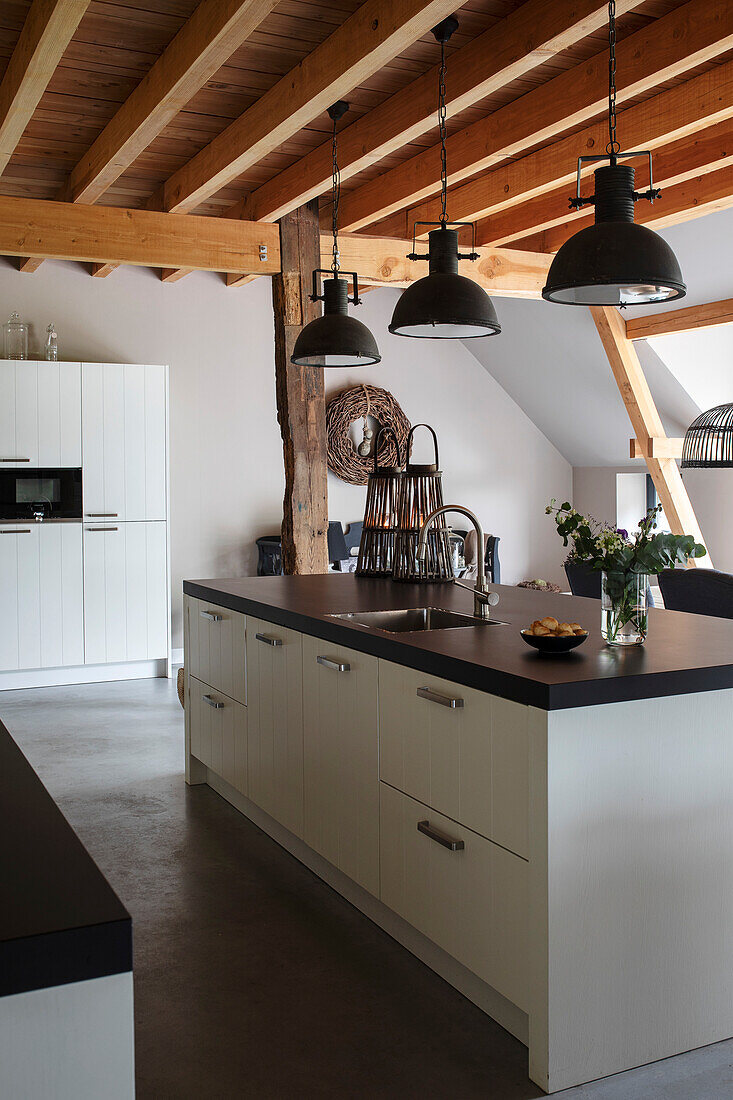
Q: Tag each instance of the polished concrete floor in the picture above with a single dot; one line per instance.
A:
(252, 978)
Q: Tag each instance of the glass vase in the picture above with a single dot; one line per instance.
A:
(624, 616)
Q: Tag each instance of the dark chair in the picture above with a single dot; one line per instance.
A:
(337, 549)
(699, 591)
(353, 535)
(585, 581)
(491, 556)
(269, 556)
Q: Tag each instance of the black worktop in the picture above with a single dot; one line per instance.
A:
(60, 920)
(683, 653)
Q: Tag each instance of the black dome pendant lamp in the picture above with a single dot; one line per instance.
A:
(614, 262)
(335, 339)
(444, 305)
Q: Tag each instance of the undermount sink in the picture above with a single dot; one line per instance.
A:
(414, 619)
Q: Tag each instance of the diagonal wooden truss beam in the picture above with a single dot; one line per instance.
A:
(526, 38)
(377, 32)
(672, 46)
(646, 422)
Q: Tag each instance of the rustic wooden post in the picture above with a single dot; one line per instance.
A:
(301, 409)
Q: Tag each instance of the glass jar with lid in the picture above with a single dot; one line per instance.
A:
(16, 337)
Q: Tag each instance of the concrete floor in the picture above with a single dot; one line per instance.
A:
(252, 978)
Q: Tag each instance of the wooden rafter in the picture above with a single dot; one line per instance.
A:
(526, 38)
(680, 320)
(376, 32)
(101, 271)
(47, 31)
(672, 46)
(646, 422)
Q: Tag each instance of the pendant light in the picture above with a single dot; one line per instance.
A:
(614, 262)
(444, 305)
(335, 339)
(708, 441)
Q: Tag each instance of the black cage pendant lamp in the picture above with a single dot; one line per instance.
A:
(614, 262)
(335, 339)
(444, 305)
(708, 441)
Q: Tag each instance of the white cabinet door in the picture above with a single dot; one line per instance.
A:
(340, 757)
(218, 728)
(20, 612)
(18, 413)
(275, 711)
(125, 592)
(124, 429)
(59, 414)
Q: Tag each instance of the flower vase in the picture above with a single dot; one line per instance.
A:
(624, 616)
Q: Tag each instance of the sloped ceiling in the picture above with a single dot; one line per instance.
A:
(550, 360)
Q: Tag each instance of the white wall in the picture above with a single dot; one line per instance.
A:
(226, 458)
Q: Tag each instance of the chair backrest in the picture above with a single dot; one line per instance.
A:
(491, 559)
(699, 591)
(269, 556)
(353, 535)
(337, 550)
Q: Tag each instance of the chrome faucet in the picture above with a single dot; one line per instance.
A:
(483, 600)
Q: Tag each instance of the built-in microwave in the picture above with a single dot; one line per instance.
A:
(40, 493)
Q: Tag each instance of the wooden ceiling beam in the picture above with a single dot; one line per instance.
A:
(112, 235)
(705, 151)
(526, 38)
(675, 44)
(29, 264)
(377, 32)
(47, 31)
(688, 319)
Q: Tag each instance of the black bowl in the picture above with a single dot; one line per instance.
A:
(550, 643)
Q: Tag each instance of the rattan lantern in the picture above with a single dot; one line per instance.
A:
(709, 441)
(376, 548)
(421, 492)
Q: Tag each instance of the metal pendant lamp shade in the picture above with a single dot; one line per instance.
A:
(376, 548)
(708, 441)
(421, 492)
(614, 262)
(335, 339)
(444, 305)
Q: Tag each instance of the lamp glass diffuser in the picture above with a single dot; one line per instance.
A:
(335, 339)
(421, 492)
(708, 441)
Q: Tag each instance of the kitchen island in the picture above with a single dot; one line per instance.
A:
(551, 835)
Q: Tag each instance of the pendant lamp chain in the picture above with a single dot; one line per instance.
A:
(442, 130)
(613, 147)
(336, 192)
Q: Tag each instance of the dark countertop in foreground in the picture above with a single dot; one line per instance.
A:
(60, 920)
(683, 653)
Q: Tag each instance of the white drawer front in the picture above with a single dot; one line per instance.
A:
(219, 733)
(472, 902)
(460, 751)
(216, 653)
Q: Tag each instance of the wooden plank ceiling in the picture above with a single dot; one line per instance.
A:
(217, 108)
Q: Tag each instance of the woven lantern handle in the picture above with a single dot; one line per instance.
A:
(386, 431)
(409, 442)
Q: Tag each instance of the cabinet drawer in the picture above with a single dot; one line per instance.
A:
(216, 655)
(472, 902)
(218, 733)
(460, 751)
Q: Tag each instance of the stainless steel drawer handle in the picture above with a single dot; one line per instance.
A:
(451, 701)
(14, 460)
(335, 665)
(101, 528)
(101, 515)
(211, 616)
(439, 837)
(18, 531)
(268, 639)
(213, 702)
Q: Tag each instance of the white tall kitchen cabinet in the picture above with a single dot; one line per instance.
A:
(87, 599)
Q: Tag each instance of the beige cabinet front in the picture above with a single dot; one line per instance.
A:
(218, 727)
(341, 769)
(464, 893)
(216, 647)
(275, 713)
(460, 751)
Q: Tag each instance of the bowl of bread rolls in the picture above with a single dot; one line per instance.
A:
(549, 635)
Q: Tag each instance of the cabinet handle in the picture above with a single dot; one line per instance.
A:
(268, 639)
(439, 837)
(14, 460)
(101, 528)
(335, 665)
(101, 515)
(451, 701)
(211, 616)
(213, 702)
(18, 531)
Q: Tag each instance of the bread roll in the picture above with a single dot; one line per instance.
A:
(550, 623)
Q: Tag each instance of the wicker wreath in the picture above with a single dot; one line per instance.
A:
(356, 403)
